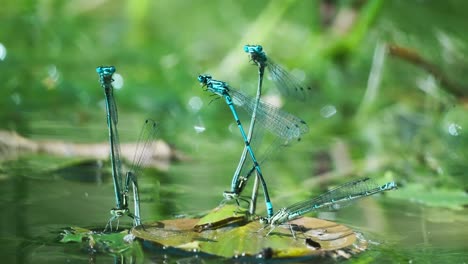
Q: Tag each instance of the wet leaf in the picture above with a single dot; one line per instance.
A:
(75, 234)
(313, 237)
(173, 233)
(100, 242)
(71, 237)
(222, 216)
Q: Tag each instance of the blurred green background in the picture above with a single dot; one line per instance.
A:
(373, 113)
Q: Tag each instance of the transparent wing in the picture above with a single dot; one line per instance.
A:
(339, 197)
(275, 120)
(145, 147)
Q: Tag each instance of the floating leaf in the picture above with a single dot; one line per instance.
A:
(174, 233)
(313, 237)
(222, 216)
(75, 234)
(100, 242)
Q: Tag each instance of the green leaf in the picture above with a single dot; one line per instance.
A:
(313, 237)
(75, 234)
(222, 216)
(115, 243)
(70, 237)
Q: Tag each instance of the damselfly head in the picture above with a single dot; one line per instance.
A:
(204, 78)
(105, 70)
(257, 56)
(253, 48)
(258, 48)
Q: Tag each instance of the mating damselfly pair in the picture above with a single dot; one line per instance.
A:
(143, 152)
(286, 128)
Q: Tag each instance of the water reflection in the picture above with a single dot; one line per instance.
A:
(118, 81)
(195, 103)
(16, 98)
(52, 78)
(454, 129)
(328, 111)
(3, 52)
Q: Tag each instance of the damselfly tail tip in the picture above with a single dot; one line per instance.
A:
(230, 195)
(389, 186)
